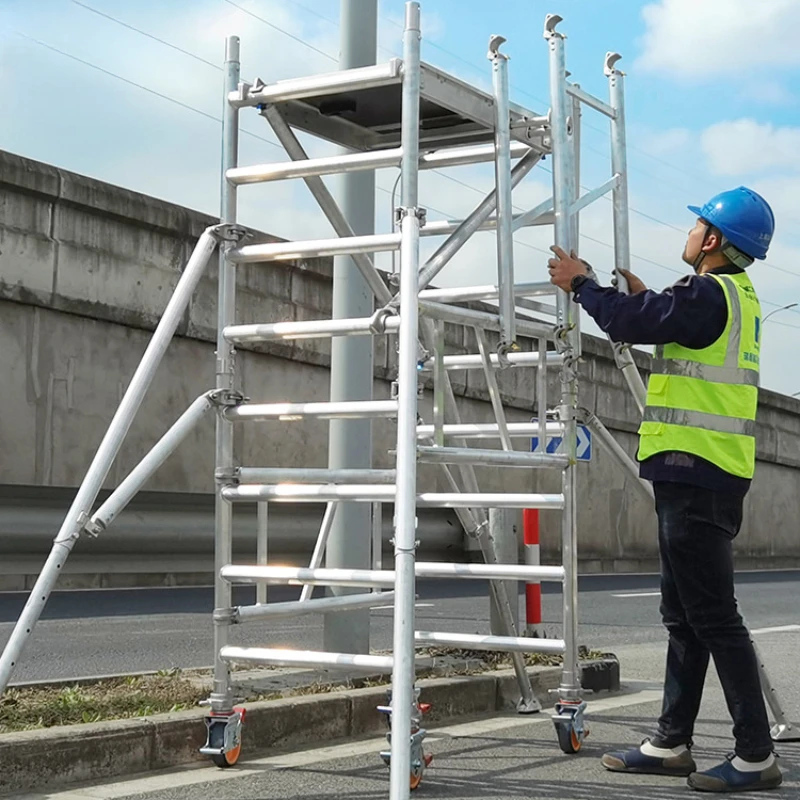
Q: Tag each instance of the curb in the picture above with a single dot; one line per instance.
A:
(58, 757)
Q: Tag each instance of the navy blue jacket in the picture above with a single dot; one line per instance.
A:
(693, 313)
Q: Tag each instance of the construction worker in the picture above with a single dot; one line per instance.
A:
(697, 446)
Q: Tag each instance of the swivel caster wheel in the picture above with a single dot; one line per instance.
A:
(570, 728)
(224, 741)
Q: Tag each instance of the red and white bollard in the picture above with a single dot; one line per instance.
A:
(533, 589)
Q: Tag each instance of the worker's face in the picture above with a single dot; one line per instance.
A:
(694, 244)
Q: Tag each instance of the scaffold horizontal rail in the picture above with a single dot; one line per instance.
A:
(590, 100)
(312, 475)
(490, 430)
(319, 605)
(486, 292)
(474, 361)
(482, 319)
(319, 85)
(305, 658)
(357, 162)
(504, 644)
(314, 248)
(287, 412)
(373, 578)
(500, 458)
(294, 493)
(311, 329)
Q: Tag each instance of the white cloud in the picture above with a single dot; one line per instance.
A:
(663, 143)
(747, 147)
(700, 40)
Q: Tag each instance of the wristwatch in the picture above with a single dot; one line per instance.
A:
(577, 282)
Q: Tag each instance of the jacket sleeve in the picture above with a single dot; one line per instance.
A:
(692, 312)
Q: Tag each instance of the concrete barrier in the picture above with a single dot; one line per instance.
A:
(87, 268)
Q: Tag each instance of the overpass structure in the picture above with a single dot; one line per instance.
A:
(407, 114)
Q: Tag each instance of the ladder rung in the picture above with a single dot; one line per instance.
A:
(293, 493)
(506, 644)
(303, 475)
(501, 572)
(490, 430)
(305, 658)
(310, 329)
(373, 578)
(312, 576)
(321, 605)
(502, 458)
(315, 248)
(474, 360)
(321, 84)
(482, 319)
(488, 291)
(353, 409)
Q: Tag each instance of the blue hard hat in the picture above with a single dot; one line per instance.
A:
(744, 218)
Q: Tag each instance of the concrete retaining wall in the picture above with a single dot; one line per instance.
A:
(86, 270)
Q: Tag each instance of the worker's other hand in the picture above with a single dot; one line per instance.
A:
(564, 268)
(635, 285)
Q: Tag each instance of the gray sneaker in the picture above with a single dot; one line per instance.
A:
(726, 778)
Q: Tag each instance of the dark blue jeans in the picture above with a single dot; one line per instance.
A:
(696, 528)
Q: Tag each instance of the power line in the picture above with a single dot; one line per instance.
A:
(274, 144)
(148, 35)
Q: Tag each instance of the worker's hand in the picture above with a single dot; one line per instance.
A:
(635, 285)
(564, 268)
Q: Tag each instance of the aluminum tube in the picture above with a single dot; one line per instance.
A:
(633, 377)
(541, 395)
(616, 450)
(370, 77)
(328, 204)
(541, 215)
(314, 248)
(319, 546)
(377, 537)
(473, 360)
(502, 644)
(106, 453)
(332, 165)
(487, 321)
(494, 391)
(594, 194)
(379, 159)
(577, 121)
(484, 457)
(619, 166)
(322, 605)
(437, 262)
(439, 378)
(502, 176)
(482, 430)
(513, 572)
(538, 215)
(221, 694)
(403, 701)
(486, 292)
(309, 475)
(353, 409)
(563, 191)
(590, 100)
(147, 467)
(312, 329)
(307, 658)
(262, 547)
(365, 578)
(295, 493)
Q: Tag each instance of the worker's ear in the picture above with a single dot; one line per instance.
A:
(713, 241)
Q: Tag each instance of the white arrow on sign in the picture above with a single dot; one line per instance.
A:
(555, 444)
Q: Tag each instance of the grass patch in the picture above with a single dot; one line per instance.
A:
(119, 698)
(130, 697)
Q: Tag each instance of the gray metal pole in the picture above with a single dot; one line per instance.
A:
(350, 441)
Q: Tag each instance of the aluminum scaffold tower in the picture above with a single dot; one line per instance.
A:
(405, 114)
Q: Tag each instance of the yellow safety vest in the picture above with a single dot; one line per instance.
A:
(704, 401)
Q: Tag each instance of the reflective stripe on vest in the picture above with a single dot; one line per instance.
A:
(708, 409)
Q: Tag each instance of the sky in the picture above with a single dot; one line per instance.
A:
(129, 92)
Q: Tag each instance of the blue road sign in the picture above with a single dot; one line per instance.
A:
(555, 444)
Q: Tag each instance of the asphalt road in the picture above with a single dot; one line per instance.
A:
(506, 756)
(105, 632)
